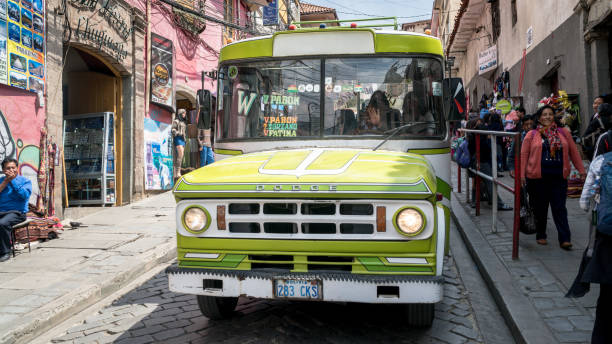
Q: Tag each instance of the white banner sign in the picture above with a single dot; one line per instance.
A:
(487, 60)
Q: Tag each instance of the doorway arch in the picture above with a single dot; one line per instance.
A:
(92, 82)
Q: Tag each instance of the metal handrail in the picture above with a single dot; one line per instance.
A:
(493, 178)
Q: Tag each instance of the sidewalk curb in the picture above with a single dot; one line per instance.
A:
(34, 324)
(524, 322)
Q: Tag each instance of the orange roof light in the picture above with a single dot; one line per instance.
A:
(292, 27)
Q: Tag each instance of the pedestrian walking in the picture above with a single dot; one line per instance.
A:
(525, 125)
(545, 166)
(604, 142)
(179, 132)
(599, 267)
(206, 152)
(15, 193)
(485, 160)
(594, 129)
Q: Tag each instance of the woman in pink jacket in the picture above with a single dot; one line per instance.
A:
(545, 165)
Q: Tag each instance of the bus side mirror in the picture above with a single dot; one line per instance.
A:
(204, 106)
(454, 97)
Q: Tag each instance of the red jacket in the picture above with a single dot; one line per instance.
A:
(531, 155)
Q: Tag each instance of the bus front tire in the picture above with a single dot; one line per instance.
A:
(217, 308)
(420, 314)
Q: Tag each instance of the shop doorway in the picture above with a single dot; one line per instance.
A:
(93, 127)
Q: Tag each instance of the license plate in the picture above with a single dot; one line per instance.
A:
(298, 289)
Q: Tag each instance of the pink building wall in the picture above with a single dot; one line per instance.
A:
(192, 57)
(20, 122)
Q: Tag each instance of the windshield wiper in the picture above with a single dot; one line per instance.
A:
(393, 132)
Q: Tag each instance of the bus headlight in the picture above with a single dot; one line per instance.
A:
(409, 221)
(196, 219)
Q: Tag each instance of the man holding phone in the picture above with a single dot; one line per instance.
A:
(15, 192)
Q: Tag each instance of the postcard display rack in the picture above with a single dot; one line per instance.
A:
(89, 152)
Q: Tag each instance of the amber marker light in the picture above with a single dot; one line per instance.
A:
(381, 219)
(221, 217)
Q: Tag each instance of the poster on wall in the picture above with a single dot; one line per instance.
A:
(22, 44)
(161, 71)
(158, 157)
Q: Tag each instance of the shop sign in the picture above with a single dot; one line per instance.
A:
(22, 44)
(161, 70)
(104, 42)
(504, 106)
(529, 36)
(487, 60)
(109, 11)
(270, 13)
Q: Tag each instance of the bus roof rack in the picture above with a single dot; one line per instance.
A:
(394, 19)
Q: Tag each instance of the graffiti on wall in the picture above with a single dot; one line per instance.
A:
(26, 153)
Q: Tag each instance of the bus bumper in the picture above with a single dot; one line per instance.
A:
(337, 287)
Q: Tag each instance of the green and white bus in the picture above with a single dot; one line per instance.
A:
(332, 180)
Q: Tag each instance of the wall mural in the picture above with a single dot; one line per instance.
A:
(24, 148)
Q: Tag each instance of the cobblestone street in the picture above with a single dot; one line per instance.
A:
(151, 313)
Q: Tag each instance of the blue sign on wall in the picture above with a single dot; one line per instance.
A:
(270, 13)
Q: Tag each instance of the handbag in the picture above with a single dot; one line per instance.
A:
(527, 217)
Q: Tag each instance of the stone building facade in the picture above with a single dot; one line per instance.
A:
(545, 46)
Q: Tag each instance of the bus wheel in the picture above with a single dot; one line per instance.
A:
(217, 308)
(420, 314)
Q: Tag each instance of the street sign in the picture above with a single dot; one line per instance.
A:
(270, 14)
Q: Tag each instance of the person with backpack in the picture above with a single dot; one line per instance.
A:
(599, 267)
(545, 166)
(485, 162)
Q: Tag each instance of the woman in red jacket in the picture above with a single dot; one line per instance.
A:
(545, 165)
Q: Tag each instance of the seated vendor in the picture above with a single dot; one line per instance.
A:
(15, 192)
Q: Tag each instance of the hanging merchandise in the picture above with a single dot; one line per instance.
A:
(506, 77)
(52, 148)
(42, 172)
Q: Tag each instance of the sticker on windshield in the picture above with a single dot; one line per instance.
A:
(436, 88)
(280, 100)
(245, 103)
(280, 126)
(316, 88)
(309, 88)
(302, 88)
(328, 80)
(358, 88)
(292, 89)
(337, 88)
(232, 72)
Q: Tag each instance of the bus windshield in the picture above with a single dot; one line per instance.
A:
(360, 96)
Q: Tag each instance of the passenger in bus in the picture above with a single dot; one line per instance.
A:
(415, 111)
(346, 123)
(381, 117)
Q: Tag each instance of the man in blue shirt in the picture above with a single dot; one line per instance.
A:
(15, 192)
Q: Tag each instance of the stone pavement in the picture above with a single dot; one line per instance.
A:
(530, 290)
(151, 313)
(63, 276)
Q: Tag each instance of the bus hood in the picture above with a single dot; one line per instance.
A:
(312, 173)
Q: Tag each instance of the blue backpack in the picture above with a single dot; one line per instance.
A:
(463, 155)
(604, 209)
